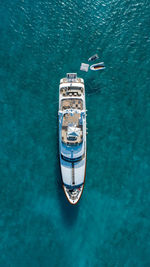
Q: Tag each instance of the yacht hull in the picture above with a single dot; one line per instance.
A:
(72, 137)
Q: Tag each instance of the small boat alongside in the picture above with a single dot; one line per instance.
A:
(98, 66)
(94, 57)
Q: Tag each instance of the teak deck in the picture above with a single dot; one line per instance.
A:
(72, 104)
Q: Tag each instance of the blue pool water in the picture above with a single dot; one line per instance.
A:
(40, 42)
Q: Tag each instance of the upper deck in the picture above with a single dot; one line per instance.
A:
(71, 106)
(71, 96)
(70, 103)
(71, 87)
(72, 128)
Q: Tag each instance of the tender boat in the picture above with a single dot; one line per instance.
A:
(98, 66)
(72, 135)
(94, 57)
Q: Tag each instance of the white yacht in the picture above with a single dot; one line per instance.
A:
(72, 135)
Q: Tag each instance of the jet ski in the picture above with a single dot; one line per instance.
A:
(94, 57)
(98, 66)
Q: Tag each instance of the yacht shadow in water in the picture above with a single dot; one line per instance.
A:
(69, 212)
(92, 87)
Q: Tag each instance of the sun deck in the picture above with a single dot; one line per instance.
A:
(72, 104)
(72, 120)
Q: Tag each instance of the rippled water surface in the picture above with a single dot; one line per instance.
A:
(40, 42)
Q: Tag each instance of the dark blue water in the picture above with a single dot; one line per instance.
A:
(41, 41)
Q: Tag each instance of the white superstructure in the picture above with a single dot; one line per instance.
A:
(72, 135)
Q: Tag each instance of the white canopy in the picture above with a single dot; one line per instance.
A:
(73, 131)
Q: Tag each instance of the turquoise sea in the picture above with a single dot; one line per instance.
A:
(40, 41)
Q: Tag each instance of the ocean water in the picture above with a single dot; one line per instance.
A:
(41, 41)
